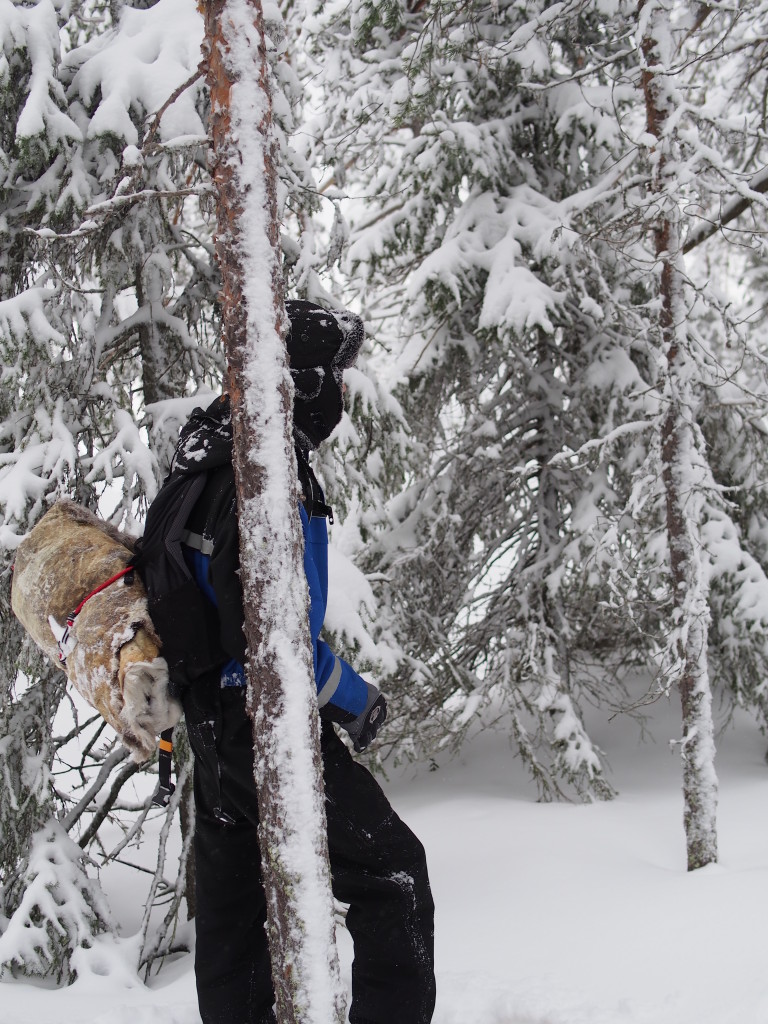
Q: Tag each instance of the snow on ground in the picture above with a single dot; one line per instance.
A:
(546, 913)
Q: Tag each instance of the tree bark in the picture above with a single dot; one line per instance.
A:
(281, 692)
(682, 457)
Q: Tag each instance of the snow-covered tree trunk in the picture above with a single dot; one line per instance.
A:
(282, 703)
(683, 464)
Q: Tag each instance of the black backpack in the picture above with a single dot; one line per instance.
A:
(185, 620)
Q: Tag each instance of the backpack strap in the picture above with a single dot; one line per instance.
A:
(165, 788)
(197, 541)
(185, 621)
(314, 499)
(65, 641)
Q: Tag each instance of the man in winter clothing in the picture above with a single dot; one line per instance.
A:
(378, 866)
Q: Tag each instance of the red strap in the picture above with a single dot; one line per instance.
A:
(63, 643)
(103, 586)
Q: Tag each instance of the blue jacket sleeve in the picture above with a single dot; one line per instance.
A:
(339, 687)
(342, 693)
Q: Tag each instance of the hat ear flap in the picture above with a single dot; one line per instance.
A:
(353, 332)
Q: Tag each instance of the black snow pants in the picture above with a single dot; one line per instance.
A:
(378, 867)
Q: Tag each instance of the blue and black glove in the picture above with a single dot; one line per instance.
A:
(362, 730)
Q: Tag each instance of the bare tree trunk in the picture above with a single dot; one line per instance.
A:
(282, 702)
(683, 465)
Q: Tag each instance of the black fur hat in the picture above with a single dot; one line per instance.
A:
(322, 343)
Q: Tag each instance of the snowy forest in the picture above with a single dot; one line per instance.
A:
(549, 481)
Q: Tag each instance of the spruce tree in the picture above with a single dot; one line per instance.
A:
(503, 190)
(104, 278)
(109, 327)
(472, 131)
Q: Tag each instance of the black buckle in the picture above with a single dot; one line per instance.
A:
(162, 795)
(223, 817)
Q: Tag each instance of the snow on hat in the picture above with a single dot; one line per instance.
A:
(322, 337)
(320, 340)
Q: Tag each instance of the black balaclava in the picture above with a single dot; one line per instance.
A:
(322, 343)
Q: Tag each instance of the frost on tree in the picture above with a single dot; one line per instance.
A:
(109, 326)
(517, 535)
(61, 911)
(464, 260)
(281, 695)
(107, 290)
(709, 373)
(684, 470)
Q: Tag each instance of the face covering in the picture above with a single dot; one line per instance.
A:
(322, 343)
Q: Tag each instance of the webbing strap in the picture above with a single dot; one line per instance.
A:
(173, 537)
(196, 540)
(65, 642)
(165, 787)
(102, 586)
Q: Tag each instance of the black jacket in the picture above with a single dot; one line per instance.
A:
(191, 561)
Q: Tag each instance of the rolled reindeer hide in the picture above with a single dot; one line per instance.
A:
(112, 651)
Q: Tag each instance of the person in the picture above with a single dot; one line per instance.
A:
(378, 866)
